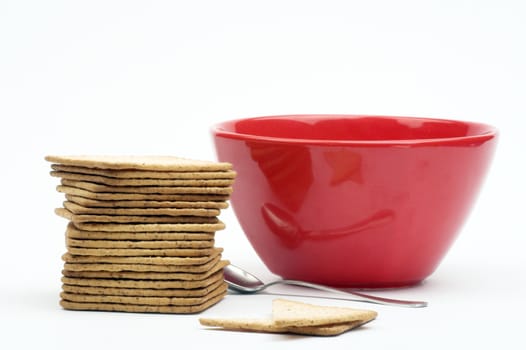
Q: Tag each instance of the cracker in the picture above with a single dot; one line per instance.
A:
(150, 260)
(73, 232)
(196, 292)
(268, 326)
(140, 196)
(121, 244)
(141, 267)
(158, 163)
(287, 313)
(145, 174)
(143, 284)
(139, 219)
(109, 181)
(94, 203)
(189, 309)
(143, 300)
(94, 187)
(80, 210)
(298, 318)
(182, 252)
(111, 227)
(148, 275)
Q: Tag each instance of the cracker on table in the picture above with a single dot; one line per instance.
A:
(269, 326)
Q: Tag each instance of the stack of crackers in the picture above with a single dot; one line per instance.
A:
(140, 236)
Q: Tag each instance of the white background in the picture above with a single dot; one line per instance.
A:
(151, 77)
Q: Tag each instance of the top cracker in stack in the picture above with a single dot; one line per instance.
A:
(141, 232)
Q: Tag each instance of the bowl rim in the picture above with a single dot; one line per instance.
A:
(219, 130)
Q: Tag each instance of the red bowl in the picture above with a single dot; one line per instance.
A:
(357, 201)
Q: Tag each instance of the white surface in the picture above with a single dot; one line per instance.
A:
(151, 77)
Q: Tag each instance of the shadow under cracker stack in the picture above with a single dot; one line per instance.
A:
(140, 233)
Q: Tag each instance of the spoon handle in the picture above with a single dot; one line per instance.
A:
(355, 295)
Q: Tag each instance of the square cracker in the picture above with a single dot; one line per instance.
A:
(145, 174)
(81, 210)
(147, 275)
(99, 266)
(75, 233)
(172, 197)
(111, 227)
(95, 187)
(186, 309)
(149, 260)
(130, 252)
(130, 219)
(110, 181)
(150, 204)
(122, 244)
(158, 163)
(143, 284)
(144, 292)
(144, 300)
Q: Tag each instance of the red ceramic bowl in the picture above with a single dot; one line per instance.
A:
(359, 201)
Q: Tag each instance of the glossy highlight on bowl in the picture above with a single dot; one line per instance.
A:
(350, 200)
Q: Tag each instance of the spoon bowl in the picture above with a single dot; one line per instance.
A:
(242, 281)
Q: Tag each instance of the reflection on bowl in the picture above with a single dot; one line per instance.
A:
(363, 201)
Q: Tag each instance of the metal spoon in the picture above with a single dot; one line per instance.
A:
(244, 282)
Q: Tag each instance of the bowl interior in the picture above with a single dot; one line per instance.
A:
(351, 128)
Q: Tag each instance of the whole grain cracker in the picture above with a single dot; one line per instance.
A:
(143, 300)
(150, 260)
(196, 292)
(158, 163)
(182, 252)
(268, 326)
(143, 284)
(189, 309)
(140, 196)
(94, 203)
(110, 227)
(121, 244)
(98, 188)
(146, 174)
(287, 313)
(133, 275)
(80, 210)
(109, 181)
(141, 267)
(139, 219)
(73, 232)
